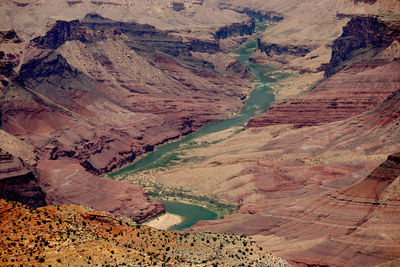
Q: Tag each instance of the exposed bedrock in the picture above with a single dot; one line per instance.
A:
(364, 37)
(61, 32)
(93, 95)
(256, 13)
(18, 183)
(371, 2)
(367, 56)
(381, 185)
(354, 90)
(9, 55)
(339, 210)
(262, 15)
(65, 181)
(236, 29)
(275, 49)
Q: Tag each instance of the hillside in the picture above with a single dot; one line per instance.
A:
(78, 236)
(88, 87)
(93, 94)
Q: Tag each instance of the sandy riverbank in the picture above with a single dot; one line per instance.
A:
(165, 221)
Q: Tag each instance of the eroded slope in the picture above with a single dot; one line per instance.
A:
(74, 235)
(92, 95)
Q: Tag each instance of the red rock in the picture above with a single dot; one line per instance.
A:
(18, 183)
(65, 181)
(324, 214)
(93, 95)
(352, 91)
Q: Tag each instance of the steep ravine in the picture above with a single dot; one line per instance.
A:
(91, 95)
(362, 53)
(258, 101)
(312, 186)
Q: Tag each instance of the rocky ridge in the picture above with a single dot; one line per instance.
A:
(316, 187)
(370, 77)
(18, 183)
(299, 182)
(363, 37)
(91, 95)
(311, 179)
(354, 90)
(74, 235)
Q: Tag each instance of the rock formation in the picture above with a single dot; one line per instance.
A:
(369, 78)
(18, 183)
(312, 179)
(315, 186)
(92, 85)
(93, 94)
(361, 35)
(354, 90)
(73, 235)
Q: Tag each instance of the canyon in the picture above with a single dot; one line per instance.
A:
(88, 87)
(93, 94)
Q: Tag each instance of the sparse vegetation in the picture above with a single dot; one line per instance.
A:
(105, 240)
(161, 192)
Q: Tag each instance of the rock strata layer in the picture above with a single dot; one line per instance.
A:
(370, 73)
(18, 183)
(326, 180)
(91, 95)
(356, 89)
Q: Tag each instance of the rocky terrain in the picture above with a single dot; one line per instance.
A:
(365, 53)
(18, 183)
(88, 86)
(325, 180)
(349, 92)
(92, 94)
(74, 235)
(315, 177)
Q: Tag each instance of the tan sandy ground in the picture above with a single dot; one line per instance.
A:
(165, 221)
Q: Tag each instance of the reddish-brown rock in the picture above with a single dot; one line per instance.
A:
(18, 183)
(354, 90)
(66, 181)
(92, 95)
(326, 213)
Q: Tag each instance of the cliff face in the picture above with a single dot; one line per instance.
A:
(274, 49)
(18, 183)
(368, 76)
(331, 181)
(321, 195)
(92, 95)
(381, 185)
(9, 56)
(363, 35)
(262, 15)
(354, 90)
(365, 1)
(236, 29)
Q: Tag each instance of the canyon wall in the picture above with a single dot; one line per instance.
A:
(370, 73)
(316, 195)
(91, 95)
(363, 38)
(316, 177)
(18, 183)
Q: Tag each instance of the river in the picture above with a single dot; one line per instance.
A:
(191, 213)
(257, 103)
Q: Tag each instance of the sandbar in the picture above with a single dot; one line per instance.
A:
(165, 221)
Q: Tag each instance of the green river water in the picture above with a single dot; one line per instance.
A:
(257, 103)
(191, 213)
